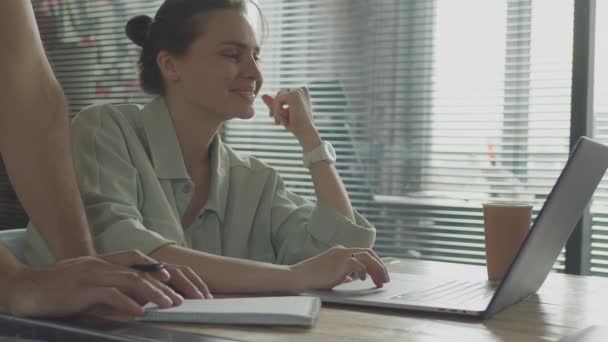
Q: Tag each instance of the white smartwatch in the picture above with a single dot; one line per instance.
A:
(322, 152)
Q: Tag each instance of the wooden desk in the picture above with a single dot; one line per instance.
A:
(563, 305)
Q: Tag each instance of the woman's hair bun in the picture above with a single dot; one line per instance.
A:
(137, 29)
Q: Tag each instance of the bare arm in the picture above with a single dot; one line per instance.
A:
(74, 285)
(230, 275)
(297, 118)
(80, 283)
(34, 138)
(328, 184)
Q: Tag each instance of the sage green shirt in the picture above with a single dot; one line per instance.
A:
(135, 190)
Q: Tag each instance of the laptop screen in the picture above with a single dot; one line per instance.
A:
(553, 225)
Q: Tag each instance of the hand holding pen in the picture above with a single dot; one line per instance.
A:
(123, 281)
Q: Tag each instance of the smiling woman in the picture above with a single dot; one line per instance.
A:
(158, 178)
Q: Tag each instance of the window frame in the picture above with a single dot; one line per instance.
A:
(578, 247)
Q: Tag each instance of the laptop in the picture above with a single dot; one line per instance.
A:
(529, 269)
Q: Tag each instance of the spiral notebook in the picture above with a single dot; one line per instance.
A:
(287, 310)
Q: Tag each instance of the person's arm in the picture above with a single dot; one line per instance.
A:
(73, 286)
(297, 118)
(230, 275)
(329, 187)
(301, 229)
(34, 138)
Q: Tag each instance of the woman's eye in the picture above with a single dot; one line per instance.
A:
(234, 56)
(237, 56)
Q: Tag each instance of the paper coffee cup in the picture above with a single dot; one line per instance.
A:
(505, 227)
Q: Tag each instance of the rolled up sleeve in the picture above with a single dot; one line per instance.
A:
(109, 184)
(118, 226)
(302, 229)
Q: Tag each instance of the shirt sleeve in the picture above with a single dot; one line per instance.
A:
(302, 229)
(108, 182)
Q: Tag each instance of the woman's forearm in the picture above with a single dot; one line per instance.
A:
(327, 182)
(230, 275)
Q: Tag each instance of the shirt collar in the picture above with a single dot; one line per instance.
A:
(165, 150)
(168, 161)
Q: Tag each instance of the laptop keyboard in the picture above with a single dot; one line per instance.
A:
(452, 293)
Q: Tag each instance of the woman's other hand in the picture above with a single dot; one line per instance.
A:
(337, 265)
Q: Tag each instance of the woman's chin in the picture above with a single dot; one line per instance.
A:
(245, 114)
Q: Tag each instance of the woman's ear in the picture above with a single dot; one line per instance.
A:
(166, 63)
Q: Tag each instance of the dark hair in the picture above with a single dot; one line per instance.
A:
(174, 28)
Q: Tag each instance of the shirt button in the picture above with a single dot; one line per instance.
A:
(187, 188)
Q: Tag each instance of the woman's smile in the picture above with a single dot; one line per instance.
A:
(247, 94)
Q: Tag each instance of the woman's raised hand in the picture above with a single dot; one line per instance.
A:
(292, 109)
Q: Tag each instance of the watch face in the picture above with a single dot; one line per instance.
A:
(330, 153)
(322, 152)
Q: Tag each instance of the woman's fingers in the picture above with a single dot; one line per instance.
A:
(281, 110)
(277, 104)
(373, 267)
(372, 263)
(283, 117)
(269, 102)
(278, 107)
(273, 109)
(366, 250)
(267, 99)
(197, 281)
(353, 266)
(167, 290)
(184, 280)
(375, 256)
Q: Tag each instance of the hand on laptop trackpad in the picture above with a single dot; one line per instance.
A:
(356, 288)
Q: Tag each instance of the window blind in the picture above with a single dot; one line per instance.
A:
(599, 207)
(90, 54)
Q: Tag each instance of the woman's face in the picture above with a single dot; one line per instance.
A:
(219, 74)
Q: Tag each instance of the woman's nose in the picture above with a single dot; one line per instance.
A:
(252, 70)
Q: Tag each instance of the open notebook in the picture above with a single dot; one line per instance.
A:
(288, 310)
